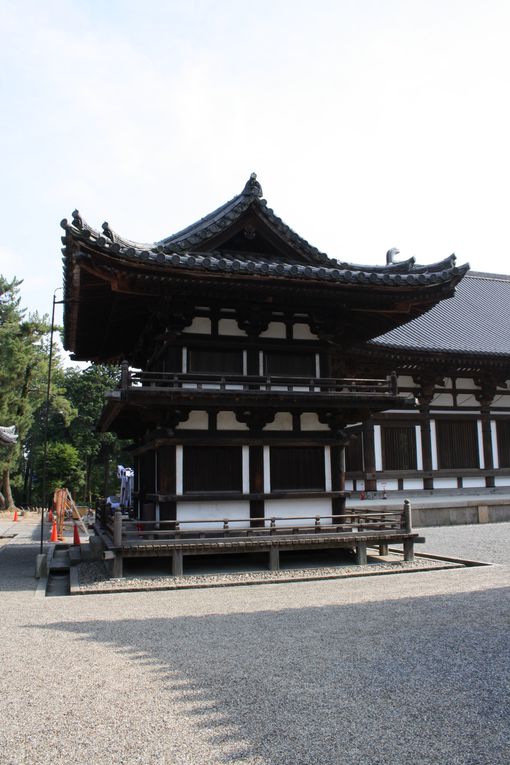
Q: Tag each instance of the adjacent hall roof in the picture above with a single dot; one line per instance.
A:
(475, 321)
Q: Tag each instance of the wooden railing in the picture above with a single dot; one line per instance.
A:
(181, 381)
(380, 522)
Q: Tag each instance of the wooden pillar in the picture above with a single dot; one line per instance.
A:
(256, 484)
(177, 563)
(117, 566)
(369, 456)
(488, 455)
(383, 548)
(337, 456)
(274, 558)
(167, 482)
(409, 549)
(361, 552)
(426, 443)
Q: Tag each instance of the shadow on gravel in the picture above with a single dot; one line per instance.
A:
(418, 680)
(17, 567)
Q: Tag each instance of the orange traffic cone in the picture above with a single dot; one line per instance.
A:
(53, 537)
(76, 535)
(15, 516)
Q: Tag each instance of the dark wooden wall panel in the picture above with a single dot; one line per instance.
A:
(297, 467)
(457, 444)
(212, 468)
(399, 447)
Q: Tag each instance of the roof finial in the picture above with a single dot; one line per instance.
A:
(77, 219)
(253, 187)
(391, 254)
(107, 231)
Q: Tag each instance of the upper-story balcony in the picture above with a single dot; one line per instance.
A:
(346, 400)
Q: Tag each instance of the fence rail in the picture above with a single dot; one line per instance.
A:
(170, 381)
(122, 530)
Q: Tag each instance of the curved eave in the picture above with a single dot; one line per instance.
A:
(204, 262)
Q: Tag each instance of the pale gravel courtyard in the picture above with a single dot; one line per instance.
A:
(381, 670)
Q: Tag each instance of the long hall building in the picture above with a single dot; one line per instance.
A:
(455, 361)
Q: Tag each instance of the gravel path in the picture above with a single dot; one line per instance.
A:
(384, 670)
(485, 542)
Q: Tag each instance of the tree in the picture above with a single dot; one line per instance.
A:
(86, 390)
(63, 468)
(22, 363)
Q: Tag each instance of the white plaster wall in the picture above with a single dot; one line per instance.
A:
(390, 484)
(445, 483)
(178, 469)
(378, 447)
(327, 468)
(433, 444)
(230, 327)
(465, 382)
(228, 421)
(184, 360)
(419, 452)
(276, 329)
(442, 399)
(406, 381)
(502, 480)
(282, 421)
(310, 421)
(201, 325)
(349, 486)
(267, 470)
(464, 399)
(303, 332)
(289, 508)
(472, 483)
(481, 456)
(412, 483)
(196, 421)
(207, 513)
(501, 402)
(494, 441)
(246, 469)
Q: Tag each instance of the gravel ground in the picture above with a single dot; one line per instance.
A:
(485, 542)
(93, 578)
(384, 670)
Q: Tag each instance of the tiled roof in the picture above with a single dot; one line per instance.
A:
(476, 320)
(187, 250)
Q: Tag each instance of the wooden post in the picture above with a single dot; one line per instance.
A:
(408, 520)
(409, 549)
(369, 456)
(426, 443)
(117, 529)
(117, 566)
(124, 375)
(177, 563)
(383, 548)
(487, 445)
(338, 478)
(274, 558)
(361, 552)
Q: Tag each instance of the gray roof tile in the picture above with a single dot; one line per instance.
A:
(476, 320)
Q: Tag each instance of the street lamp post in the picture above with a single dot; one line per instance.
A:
(47, 412)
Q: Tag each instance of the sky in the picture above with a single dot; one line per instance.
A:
(371, 124)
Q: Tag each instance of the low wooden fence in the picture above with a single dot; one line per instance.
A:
(123, 530)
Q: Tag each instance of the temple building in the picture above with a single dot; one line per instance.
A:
(455, 360)
(250, 360)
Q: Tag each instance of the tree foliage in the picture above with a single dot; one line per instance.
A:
(78, 457)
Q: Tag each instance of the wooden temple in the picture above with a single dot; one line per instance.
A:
(248, 361)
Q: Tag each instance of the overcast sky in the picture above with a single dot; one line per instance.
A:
(370, 123)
